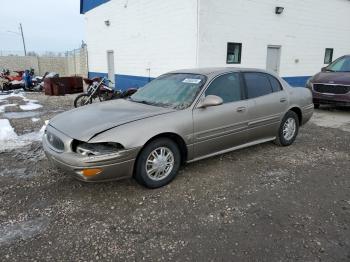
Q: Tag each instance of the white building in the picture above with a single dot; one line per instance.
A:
(137, 40)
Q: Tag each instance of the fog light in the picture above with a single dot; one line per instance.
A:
(90, 172)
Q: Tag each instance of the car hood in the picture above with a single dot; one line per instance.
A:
(341, 78)
(85, 122)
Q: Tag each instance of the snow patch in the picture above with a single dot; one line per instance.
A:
(13, 94)
(10, 140)
(21, 114)
(6, 131)
(31, 105)
(34, 119)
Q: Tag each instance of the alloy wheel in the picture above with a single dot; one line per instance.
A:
(289, 129)
(159, 163)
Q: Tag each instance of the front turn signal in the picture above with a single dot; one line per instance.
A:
(90, 172)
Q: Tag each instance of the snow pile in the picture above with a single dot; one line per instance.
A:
(10, 140)
(8, 137)
(6, 131)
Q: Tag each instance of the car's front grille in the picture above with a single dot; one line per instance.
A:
(331, 89)
(54, 141)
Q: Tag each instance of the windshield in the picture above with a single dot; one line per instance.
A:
(340, 65)
(171, 90)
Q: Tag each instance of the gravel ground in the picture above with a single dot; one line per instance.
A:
(264, 203)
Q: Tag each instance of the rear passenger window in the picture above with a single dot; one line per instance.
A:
(258, 84)
(227, 87)
(276, 85)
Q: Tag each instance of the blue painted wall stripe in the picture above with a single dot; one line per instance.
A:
(296, 80)
(87, 5)
(124, 82)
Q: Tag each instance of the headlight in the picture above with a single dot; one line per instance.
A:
(309, 83)
(90, 149)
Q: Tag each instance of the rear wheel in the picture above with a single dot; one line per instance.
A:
(82, 100)
(288, 130)
(158, 163)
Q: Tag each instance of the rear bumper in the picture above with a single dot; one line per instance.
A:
(307, 113)
(112, 167)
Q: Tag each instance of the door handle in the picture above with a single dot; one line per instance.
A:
(241, 109)
(282, 100)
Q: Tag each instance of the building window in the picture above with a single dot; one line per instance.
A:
(328, 57)
(234, 51)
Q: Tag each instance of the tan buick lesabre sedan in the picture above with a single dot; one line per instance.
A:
(179, 117)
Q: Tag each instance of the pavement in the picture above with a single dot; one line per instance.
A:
(263, 203)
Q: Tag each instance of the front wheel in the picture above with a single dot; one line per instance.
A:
(82, 100)
(288, 130)
(158, 163)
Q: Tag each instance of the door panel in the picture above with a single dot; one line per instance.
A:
(269, 104)
(266, 114)
(220, 127)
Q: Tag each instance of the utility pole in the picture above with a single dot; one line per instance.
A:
(24, 43)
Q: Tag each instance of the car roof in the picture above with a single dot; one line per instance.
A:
(210, 71)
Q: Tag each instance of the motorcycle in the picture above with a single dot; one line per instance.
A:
(10, 82)
(98, 90)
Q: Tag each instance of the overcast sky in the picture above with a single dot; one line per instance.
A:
(48, 25)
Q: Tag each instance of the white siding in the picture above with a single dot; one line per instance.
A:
(160, 35)
(304, 30)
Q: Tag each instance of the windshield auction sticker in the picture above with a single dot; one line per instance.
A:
(191, 81)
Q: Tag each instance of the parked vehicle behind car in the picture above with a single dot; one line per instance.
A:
(179, 117)
(332, 84)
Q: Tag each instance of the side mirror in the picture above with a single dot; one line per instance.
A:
(210, 100)
(324, 69)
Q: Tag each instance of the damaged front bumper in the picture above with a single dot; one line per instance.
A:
(114, 166)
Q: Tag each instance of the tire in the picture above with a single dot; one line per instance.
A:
(286, 135)
(316, 106)
(82, 100)
(167, 169)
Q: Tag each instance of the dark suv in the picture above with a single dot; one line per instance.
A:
(332, 84)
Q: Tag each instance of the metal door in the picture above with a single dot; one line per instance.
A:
(268, 109)
(110, 65)
(266, 114)
(273, 59)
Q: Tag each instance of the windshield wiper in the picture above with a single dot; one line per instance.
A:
(138, 101)
(159, 104)
(149, 102)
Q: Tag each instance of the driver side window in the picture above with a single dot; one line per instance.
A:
(227, 86)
